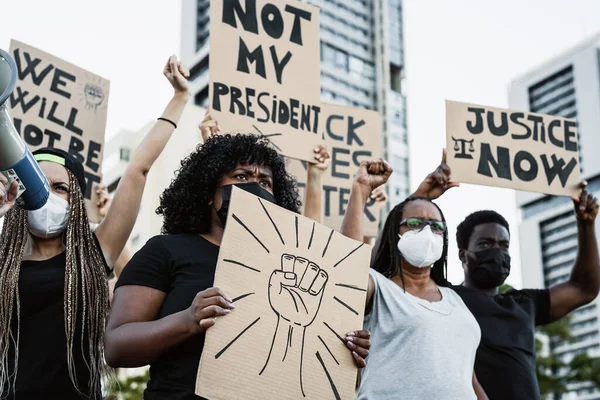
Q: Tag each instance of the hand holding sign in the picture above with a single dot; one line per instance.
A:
(104, 201)
(586, 206)
(8, 195)
(438, 182)
(323, 158)
(177, 74)
(379, 194)
(209, 127)
(206, 307)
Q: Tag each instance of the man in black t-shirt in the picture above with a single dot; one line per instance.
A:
(505, 363)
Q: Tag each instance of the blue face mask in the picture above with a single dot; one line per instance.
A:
(250, 187)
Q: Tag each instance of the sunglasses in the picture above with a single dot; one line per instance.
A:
(417, 224)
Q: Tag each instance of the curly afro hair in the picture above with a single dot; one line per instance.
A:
(184, 204)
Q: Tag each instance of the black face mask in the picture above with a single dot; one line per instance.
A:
(490, 269)
(250, 187)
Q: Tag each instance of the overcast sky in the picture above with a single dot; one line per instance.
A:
(466, 50)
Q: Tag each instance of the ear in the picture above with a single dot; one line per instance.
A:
(462, 256)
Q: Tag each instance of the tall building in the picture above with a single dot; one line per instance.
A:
(567, 86)
(362, 65)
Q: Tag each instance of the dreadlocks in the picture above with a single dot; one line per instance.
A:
(85, 285)
(387, 259)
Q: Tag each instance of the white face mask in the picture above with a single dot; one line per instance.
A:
(421, 249)
(50, 220)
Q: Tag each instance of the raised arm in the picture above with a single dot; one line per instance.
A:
(584, 283)
(380, 196)
(209, 127)
(370, 175)
(115, 229)
(313, 202)
(437, 182)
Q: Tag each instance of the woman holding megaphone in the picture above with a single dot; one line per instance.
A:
(53, 270)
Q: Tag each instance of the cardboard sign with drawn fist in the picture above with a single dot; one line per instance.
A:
(298, 288)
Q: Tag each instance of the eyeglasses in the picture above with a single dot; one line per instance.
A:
(417, 224)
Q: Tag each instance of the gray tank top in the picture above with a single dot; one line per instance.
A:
(419, 350)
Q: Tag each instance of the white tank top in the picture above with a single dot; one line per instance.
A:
(420, 350)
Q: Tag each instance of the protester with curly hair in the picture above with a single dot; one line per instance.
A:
(53, 269)
(165, 300)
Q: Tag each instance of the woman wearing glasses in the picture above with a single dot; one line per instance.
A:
(423, 337)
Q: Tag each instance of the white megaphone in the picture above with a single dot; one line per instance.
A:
(16, 161)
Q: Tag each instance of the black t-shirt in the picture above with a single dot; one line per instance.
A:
(181, 266)
(505, 363)
(42, 370)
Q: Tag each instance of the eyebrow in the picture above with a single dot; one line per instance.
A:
(60, 183)
(251, 172)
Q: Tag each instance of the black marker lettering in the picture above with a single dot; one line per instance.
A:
(501, 166)
(478, 126)
(58, 81)
(272, 21)
(231, 8)
(256, 57)
(296, 35)
(497, 130)
(526, 175)
(515, 118)
(219, 89)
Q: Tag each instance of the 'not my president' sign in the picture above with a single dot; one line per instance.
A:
(512, 149)
(265, 71)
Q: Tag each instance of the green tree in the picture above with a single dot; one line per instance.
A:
(553, 374)
(130, 388)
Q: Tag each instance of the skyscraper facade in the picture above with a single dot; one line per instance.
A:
(567, 86)
(362, 65)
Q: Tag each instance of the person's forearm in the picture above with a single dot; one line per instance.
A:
(352, 224)
(137, 344)
(156, 140)
(115, 229)
(313, 203)
(586, 271)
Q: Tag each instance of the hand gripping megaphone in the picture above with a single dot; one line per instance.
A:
(16, 161)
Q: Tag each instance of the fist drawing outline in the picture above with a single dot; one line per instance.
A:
(296, 290)
(295, 293)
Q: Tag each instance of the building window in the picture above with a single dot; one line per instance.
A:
(124, 154)
(334, 57)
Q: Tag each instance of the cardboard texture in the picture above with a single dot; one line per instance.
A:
(298, 288)
(352, 135)
(512, 149)
(265, 71)
(57, 104)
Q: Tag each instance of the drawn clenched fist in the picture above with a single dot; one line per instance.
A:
(296, 290)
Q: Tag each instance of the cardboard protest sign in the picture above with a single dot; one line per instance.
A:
(265, 71)
(57, 104)
(298, 288)
(512, 149)
(352, 135)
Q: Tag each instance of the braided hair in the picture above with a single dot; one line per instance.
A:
(85, 285)
(387, 260)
